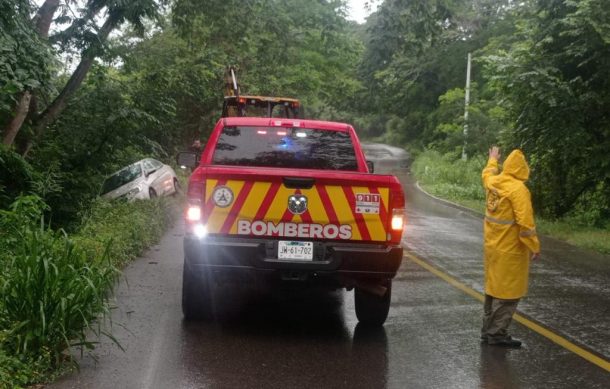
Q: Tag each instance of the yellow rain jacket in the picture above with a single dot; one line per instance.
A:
(509, 229)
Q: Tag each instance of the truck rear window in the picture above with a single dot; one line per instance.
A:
(301, 148)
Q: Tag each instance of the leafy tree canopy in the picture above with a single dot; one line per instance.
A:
(149, 80)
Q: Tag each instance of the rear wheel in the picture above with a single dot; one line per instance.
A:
(176, 186)
(152, 193)
(197, 299)
(371, 309)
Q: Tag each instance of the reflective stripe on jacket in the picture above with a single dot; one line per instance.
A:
(509, 229)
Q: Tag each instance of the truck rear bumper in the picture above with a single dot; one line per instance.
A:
(344, 264)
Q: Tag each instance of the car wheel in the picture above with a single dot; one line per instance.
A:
(197, 299)
(152, 193)
(371, 309)
(176, 186)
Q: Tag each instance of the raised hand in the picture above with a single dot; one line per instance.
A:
(494, 152)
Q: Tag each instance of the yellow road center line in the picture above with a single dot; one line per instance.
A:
(563, 342)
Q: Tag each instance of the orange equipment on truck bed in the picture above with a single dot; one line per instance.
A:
(236, 104)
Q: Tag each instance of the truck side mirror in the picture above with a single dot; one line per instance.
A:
(188, 159)
(371, 166)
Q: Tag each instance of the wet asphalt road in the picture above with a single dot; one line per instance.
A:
(312, 340)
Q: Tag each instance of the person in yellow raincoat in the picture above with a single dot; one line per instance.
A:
(510, 242)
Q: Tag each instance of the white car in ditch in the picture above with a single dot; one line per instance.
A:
(145, 179)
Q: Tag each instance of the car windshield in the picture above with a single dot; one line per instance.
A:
(301, 148)
(122, 177)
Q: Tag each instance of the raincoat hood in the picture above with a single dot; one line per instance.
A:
(516, 166)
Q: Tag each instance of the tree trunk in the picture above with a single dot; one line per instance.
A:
(21, 111)
(43, 19)
(51, 113)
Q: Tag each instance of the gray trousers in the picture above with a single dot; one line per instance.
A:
(497, 315)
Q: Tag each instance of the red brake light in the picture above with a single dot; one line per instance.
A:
(194, 214)
(397, 213)
(398, 219)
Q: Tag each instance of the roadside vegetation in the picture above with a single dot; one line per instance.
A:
(444, 177)
(57, 286)
(460, 182)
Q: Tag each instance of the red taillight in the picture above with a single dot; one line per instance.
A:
(398, 219)
(193, 214)
(397, 213)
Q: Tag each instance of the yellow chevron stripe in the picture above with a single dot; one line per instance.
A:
(342, 208)
(385, 195)
(317, 209)
(385, 203)
(250, 206)
(209, 188)
(315, 206)
(279, 204)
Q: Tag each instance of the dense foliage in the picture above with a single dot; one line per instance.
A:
(540, 82)
(52, 291)
(556, 81)
(24, 59)
(157, 82)
(55, 288)
(447, 178)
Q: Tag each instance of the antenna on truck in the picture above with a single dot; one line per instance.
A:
(231, 85)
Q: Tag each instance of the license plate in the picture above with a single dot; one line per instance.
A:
(295, 250)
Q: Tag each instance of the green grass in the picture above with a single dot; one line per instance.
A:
(595, 239)
(131, 227)
(475, 205)
(460, 182)
(56, 288)
(52, 293)
(21, 371)
(449, 179)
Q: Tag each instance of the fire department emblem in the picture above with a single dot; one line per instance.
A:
(297, 204)
(493, 199)
(223, 196)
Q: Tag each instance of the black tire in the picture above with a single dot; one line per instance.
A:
(152, 193)
(372, 310)
(197, 299)
(176, 186)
